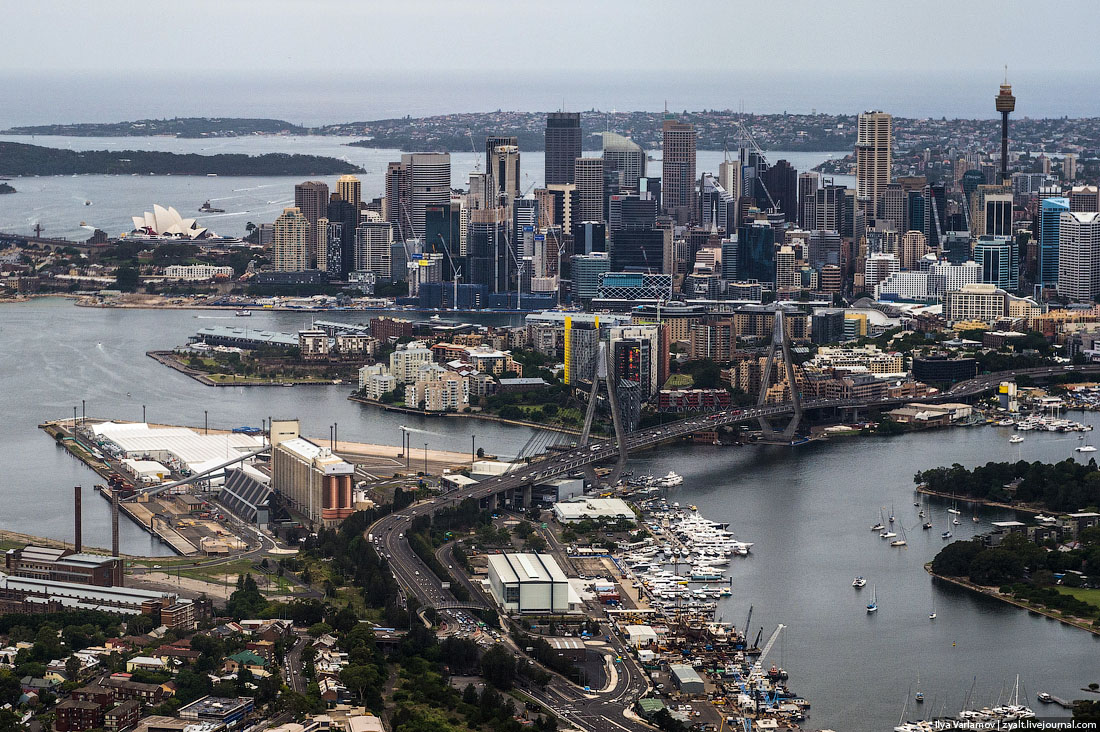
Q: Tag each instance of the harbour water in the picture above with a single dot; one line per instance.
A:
(58, 202)
(54, 354)
(807, 511)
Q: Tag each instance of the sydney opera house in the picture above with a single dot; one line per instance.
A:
(166, 223)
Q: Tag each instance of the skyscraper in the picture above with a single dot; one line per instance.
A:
(1050, 217)
(334, 249)
(999, 258)
(346, 214)
(563, 146)
(634, 211)
(781, 181)
(373, 240)
(756, 252)
(1084, 198)
(396, 208)
(504, 174)
(1069, 167)
(311, 198)
(624, 156)
(291, 241)
(589, 180)
(486, 249)
(807, 199)
(874, 156)
(1079, 256)
(914, 245)
(350, 189)
(492, 142)
(893, 207)
(678, 169)
(429, 184)
(991, 208)
(639, 250)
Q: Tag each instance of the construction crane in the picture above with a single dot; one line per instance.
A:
(473, 149)
(456, 272)
(771, 642)
(746, 136)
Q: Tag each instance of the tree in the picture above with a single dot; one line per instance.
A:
(362, 680)
(191, 685)
(498, 667)
(72, 667)
(995, 567)
(954, 559)
(318, 629)
(127, 278)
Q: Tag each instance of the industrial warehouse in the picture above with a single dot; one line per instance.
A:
(531, 583)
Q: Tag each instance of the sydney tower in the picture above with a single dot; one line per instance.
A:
(1005, 103)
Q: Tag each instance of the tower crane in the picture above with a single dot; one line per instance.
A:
(746, 136)
(456, 272)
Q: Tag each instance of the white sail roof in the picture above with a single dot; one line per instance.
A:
(167, 222)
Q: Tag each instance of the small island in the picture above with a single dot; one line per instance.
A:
(5, 188)
(188, 127)
(17, 158)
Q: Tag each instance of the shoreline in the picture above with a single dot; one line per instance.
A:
(983, 502)
(167, 358)
(464, 415)
(993, 593)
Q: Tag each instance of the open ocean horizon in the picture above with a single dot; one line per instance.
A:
(314, 99)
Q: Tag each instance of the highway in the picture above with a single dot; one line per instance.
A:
(605, 710)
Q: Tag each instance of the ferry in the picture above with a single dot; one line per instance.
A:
(243, 313)
(1015, 439)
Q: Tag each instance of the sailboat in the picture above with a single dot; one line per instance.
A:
(891, 513)
(931, 616)
(879, 526)
(872, 606)
(900, 542)
(919, 698)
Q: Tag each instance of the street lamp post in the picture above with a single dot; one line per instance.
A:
(473, 452)
(143, 413)
(83, 412)
(205, 422)
(425, 458)
(74, 416)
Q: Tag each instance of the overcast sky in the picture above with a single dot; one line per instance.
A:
(132, 37)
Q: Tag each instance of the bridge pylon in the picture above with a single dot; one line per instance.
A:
(779, 339)
(601, 376)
